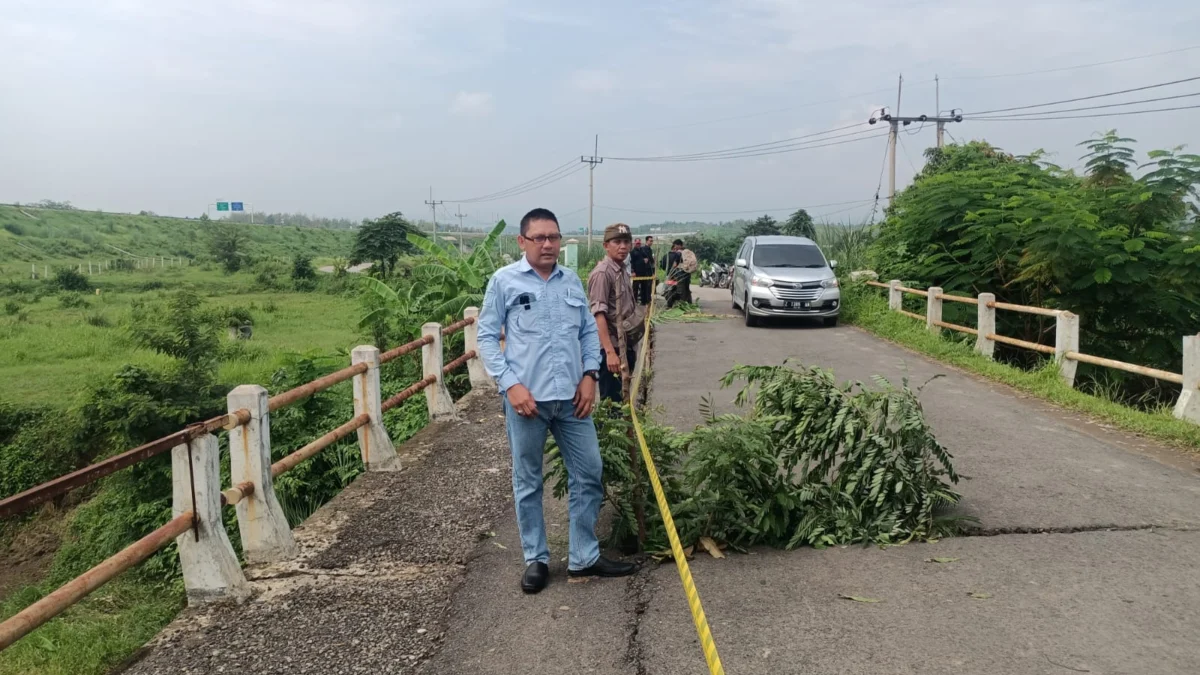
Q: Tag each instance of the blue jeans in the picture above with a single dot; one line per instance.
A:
(581, 451)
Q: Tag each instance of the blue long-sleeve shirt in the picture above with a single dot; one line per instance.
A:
(550, 336)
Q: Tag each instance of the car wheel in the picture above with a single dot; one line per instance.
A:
(831, 321)
(733, 300)
(751, 320)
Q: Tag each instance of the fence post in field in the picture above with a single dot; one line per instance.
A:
(985, 321)
(933, 308)
(211, 570)
(1066, 339)
(895, 296)
(441, 406)
(1188, 407)
(266, 535)
(378, 453)
(475, 369)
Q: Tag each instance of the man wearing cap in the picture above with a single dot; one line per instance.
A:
(610, 296)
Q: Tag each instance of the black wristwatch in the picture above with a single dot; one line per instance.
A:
(594, 374)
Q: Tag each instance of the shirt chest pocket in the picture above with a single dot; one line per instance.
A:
(573, 309)
(523, 314)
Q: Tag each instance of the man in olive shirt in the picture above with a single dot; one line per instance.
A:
(610, 296)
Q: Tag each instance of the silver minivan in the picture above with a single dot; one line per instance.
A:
(785, 276)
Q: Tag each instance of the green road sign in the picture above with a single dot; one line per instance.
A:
(222, 206)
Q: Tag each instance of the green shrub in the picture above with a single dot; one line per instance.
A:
(69, 279)
(98, 320)
(36, 445)
(73, 301)
(12, 307)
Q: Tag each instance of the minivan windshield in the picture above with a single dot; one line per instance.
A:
(788, 255)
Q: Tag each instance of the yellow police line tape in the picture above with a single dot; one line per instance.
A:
(685, 574)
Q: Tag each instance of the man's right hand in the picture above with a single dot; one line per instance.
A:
(521, 400)
(612, 362)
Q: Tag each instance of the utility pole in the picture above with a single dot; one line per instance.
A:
(937, 103)
(433, 209)
(895, 121)
(593, 161)
(461, 215)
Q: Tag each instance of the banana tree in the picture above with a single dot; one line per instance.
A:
(449, 281)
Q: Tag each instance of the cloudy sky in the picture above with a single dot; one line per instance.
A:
(355, 108)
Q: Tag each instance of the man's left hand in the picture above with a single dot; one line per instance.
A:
(585, 397)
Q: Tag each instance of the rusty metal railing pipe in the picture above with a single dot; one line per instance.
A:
(28, 619)
(876, 284)
(320, 384)
(40, 494)
(914, 291)
(237, 493)
(1163, 375)
(905, 312)
(458, 363)
(967, 300)
(457, 326)
(1025, 309)
(1045, 349)
(404, 349)
(957, 327)
(408, 393)
(288, 463)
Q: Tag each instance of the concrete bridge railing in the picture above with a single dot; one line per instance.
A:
(211, 571)
(1066, 340)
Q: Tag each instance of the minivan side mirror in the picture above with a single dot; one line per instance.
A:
(740, 262)
(832, 264)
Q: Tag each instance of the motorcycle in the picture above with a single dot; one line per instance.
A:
(715, 276)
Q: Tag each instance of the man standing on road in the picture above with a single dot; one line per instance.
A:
(643, 266)
(618, 321)
(687, 264)
(547, 373)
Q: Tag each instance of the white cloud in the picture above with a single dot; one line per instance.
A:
(472, 104)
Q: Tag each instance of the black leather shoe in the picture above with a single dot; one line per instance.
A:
(535, 577)
(603, 567)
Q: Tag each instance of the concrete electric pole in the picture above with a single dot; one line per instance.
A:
(433, 209)
(460, 215)
(593, 161)
(895, 121)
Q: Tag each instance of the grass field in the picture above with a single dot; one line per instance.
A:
(50, 352)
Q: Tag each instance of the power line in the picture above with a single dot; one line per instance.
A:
(1085, 98)
(1076, 67)
(518, 186)
(718, 213)
(737, 148)
(773, 151)
(906, 155)
(1096, 107)
(1080, 117)
(528, 187)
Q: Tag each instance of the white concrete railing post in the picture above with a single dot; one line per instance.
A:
(933, 308)
(985, 322)
(211, 571)
(895, 296)
(266, 535)
(476, 371)
(374, 442)
(441, 406)
(1188, 407)
(1066, 339)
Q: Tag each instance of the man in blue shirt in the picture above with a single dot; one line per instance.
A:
(547, 373)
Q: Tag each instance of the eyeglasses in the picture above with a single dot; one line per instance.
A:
(543, 238)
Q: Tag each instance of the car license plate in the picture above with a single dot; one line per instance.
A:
(792, 305)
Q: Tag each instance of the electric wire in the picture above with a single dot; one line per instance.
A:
(528, 187)
(1092, 107)
(1084, 98)
(857, 202)
(736, 148)
(773, 151)
(518, 186)
(1080, 117)
(1076, 67)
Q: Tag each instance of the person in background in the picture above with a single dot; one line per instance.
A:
(547, 373)
(687, 263)
(643, 266)
(611, 301)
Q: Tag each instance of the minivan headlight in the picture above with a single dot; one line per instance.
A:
(830, 283)
(764, 282)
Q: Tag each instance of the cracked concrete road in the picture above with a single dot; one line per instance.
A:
(1110, 589)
